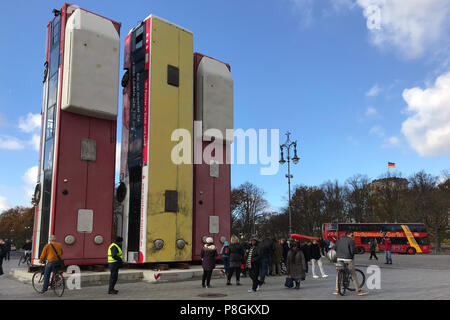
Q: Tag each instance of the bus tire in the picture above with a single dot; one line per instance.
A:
(411, 251)
(360, 250)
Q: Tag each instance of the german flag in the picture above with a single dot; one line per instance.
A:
(391, 165)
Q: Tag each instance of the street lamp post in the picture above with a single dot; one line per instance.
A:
(287, 146)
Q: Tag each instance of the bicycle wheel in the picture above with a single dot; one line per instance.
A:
(38, 281)
(361, 279)
(341, 282)
(58, 284)
(20, 261)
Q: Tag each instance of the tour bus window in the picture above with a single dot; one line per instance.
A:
(332, 227)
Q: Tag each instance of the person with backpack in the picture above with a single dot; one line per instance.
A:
(237, 253)
(225, 253)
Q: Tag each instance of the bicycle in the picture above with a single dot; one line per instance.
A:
(25, 258)
(345, 278)
(56, 282)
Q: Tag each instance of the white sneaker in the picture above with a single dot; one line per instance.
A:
(258, 288)
(251, 291)
(325, 276)
(315, 277)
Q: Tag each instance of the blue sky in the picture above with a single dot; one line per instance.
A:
(354, 97)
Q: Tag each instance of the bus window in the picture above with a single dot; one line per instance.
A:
(417, 228)
(332, 227)
(392, 228)
(422, 241)
(399, 240)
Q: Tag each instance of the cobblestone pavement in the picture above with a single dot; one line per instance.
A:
(425, 277)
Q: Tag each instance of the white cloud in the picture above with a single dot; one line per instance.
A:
(35, 142)
(427, 129)
(30, 180)
(388, 142)
(378, 131)
(371, 111)
(411, 26)
(30, 123)
(4, 204)
(374, 91)
(10, 143)
(305, 9)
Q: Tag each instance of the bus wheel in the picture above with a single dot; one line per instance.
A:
(360, 250)
(411, 251)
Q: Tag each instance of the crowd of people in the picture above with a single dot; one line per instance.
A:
(265, 257)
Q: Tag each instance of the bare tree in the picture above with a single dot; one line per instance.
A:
(247, 204)
(358, 198)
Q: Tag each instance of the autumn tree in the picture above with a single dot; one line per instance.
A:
(16, 224)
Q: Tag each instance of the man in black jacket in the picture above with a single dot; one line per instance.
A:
(345, 252)
(2, 254)
(253, 264)
(265, 252)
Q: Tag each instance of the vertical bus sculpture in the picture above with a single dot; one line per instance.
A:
(75, 191)
(156, 193)
(213, 114)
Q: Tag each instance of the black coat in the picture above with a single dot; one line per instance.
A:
(265, 248)
(208, 255)
(237, 254)
(315, 251)
(2, 251)
(306, 249)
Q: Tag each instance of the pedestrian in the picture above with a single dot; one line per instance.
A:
(277, 256)
(225, 252)
(115, 262)
(373, 248)
(265, 249)
(323, 246)
(316, 256)
(285, 249)
(345, 252)
(53, 254)
(246, 246)
(253, 264)
(387, 249)
(237, 254)
(296, 265)
(208, 255)
(8, 244)
(2, 255)
(306, 248)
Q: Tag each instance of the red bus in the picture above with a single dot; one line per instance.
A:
(410, 238)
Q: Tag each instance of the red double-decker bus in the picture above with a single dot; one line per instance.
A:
(410, 238)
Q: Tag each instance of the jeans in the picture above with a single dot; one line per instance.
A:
(48, 270)
(226, 264)
(388, 257)
(269, 264)
(233, 270)
(263, 269)
(254, 273)
(351, 267)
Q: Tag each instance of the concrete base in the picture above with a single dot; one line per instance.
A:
(90, 278)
